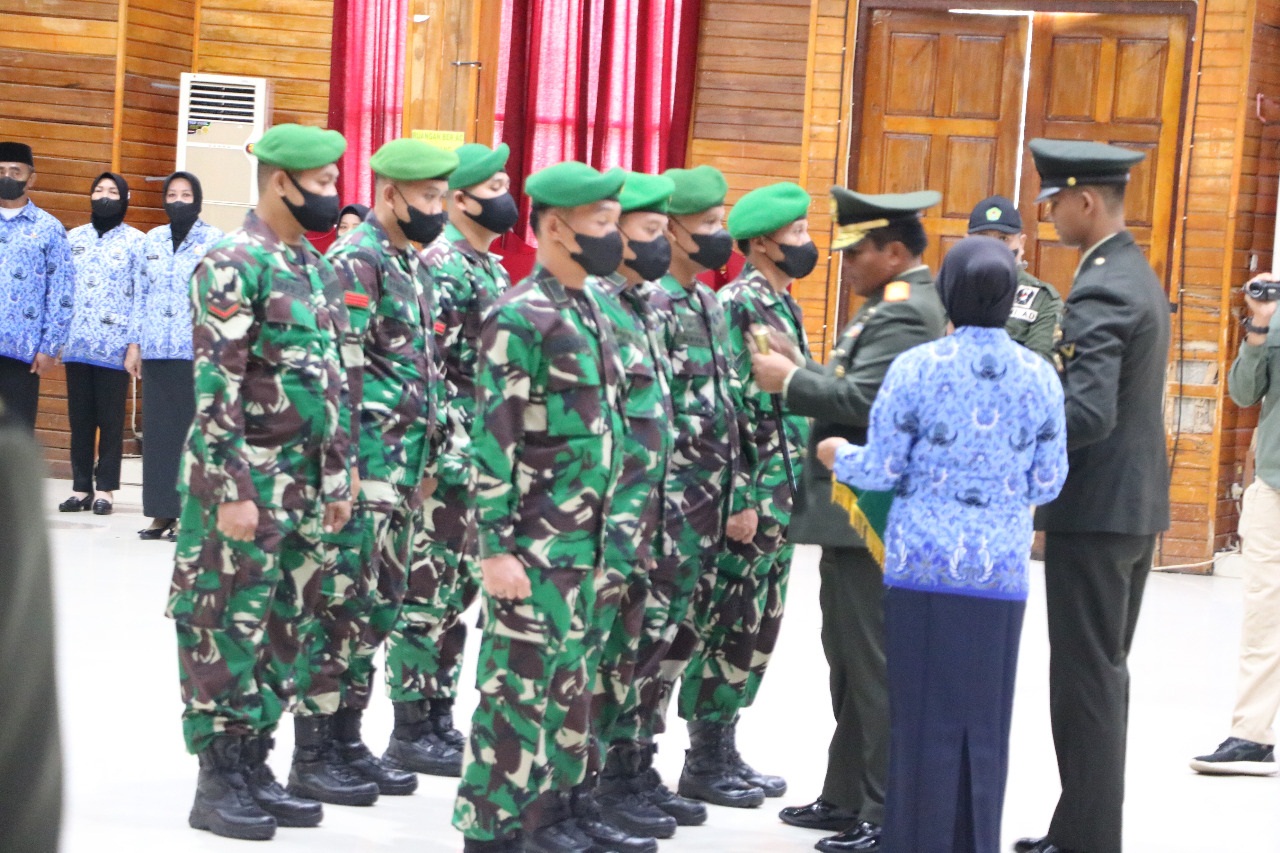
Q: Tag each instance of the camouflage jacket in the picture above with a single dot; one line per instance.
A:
(549, 395)
(270, 388)
(750, 300)
(467, 283)
(398, 383)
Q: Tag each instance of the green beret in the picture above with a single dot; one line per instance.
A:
(412, 160)
(572, 183)
(858, 213)
(297, 147)
(765, 210)
(478, 163)
(1066, 163)
(646, 192)
(697, 189)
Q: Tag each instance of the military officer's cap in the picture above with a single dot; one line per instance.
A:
(697, 189)
(16, 152)
(1066, 163)
(856, 214)
(413, 160)
(478, 163)
(572, 183)
(765, 210)
(996, 213)
(297, 148)
(646, 192)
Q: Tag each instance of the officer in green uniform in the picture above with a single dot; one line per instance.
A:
(424, 652)
(882, 240)
(1037, 307)
(265, 472)
(547, 454)
(1100, 533)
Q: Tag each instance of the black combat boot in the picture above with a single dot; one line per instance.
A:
(318, 773)
(415, 746)
(686, 812)
(604, 836)
(512, 844)
(773, 786)
(622, 795)
(353, 752)
(441, 714)
(269, 794)
(223, 804)
(708, 774)
(557, 830)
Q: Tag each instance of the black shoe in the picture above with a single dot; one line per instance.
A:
(1237, 757)
(158, 532)
(863, 835)
(440, 712)
(773, 786)
(686, 812)
(269, 794)
(819, 814)
(605, 837)
(75, 504)
(622, 795)
(708, 773)
(514, 844)
(562, 836)
(353, 753)
(102, 506)
(1037, 845)
(223, 804)
(318, 773)
(415, 746)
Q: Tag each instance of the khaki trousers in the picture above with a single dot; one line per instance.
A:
(1258, 700)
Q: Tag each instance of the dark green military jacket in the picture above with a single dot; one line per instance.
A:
(1037, 310)
(838, 396)
(1114, 351)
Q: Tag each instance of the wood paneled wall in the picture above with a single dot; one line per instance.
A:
(444, 89)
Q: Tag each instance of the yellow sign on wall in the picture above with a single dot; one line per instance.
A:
(448, 139)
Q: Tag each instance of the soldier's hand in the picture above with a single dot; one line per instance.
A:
(42, 364)
(827, 450)
(336, 516)
(771, 371)
(238, 520)
(741, 526)
(428, 487)
(778, 342)
(355, 484)
(133, 361)
(505, 577)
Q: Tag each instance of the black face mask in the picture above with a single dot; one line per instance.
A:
(107, 213)
(182, 214)
(653, 258)
(497, 214)
(12, 189)
(600, 256)
(317, 212)
(421, 227)
(713, 249)
(797, 261)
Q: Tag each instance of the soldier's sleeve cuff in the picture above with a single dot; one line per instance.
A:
(786, 383)
(495, 544)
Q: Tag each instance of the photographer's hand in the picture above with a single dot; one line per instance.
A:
(1260, 311)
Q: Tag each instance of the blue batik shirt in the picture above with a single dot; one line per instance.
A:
(969, 432)
(106, 269)
(36, 284)
(162, 310)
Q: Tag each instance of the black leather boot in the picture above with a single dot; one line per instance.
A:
(318, 773)
(353, 752)
(604, 836)
(269, 794)
(773, 786)
(686, 812)
(441, 714)
(415, 746)
(223, 804)
(514, 844)
(558, 832)
(708, 774)
(621, 795)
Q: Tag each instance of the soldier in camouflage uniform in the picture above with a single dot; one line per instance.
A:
(424, 652)
(738, 610)
(547, 458)
(394, 385)
(266, 470)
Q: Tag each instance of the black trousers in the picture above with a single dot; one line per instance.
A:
(20, 391)
(1093, 587)
(95, 407)
(168, 407)
(953, 661)
(853, 640)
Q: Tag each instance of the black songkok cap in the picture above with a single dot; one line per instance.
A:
(16, 152)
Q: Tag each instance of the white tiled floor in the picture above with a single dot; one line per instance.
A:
(129, 781)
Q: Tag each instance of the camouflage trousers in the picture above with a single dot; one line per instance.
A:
(424, 651)
(531, 730)
(360, 599)
(625, 619)
(240, 610)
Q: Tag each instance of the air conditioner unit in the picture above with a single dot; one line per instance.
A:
(219, 118)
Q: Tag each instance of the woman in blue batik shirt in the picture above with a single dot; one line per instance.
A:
(160, 345)
(968, 432)
(105, 253)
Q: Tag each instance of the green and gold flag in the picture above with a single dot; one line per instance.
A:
(868, 514)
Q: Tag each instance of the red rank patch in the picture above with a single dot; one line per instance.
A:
(439, 327)
(356, 300)
(225, 312)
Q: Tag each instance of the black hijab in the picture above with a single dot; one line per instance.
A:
(977, 283)
(182, 215)
(106, 214)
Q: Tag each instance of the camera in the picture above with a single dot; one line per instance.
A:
(1263, 291)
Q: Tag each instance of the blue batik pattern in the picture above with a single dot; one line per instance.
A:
(106, 269)
(162, 313)
(36, 284)
(969, 433)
